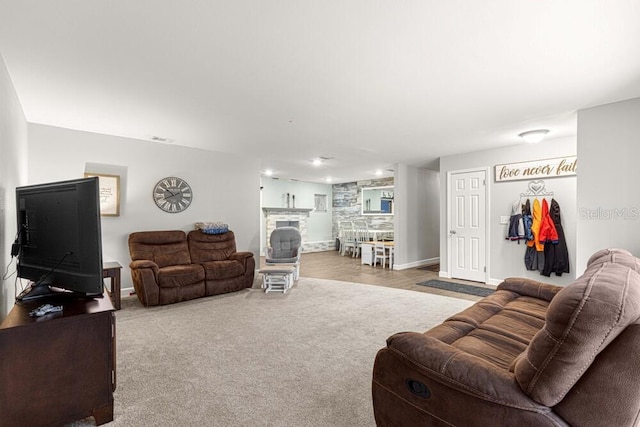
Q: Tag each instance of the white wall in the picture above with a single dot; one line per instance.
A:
(609, 179)
(225, 187)
(506, 258)
(13, 173)
(274, 193)
(416, 216)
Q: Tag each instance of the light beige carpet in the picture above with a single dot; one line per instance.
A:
(254, 359)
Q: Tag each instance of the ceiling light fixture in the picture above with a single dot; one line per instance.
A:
(317, 161)
(378, 172)
(268, 172)
(328, 179)
(534, 136)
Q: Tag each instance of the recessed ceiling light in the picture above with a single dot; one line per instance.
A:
(534, 136)
(268, 172)
(317, 161)
(328, 179)
(378, 172)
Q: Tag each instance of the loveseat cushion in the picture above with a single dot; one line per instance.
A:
(581, 321)
(211, 247)
(180, 275)
(165, 248)
(219, 270)
(499, 327)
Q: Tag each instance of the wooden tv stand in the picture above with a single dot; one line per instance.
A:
(58, 368)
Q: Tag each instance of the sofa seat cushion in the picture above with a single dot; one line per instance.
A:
(219, 270)
(180, 275)
(496, 329)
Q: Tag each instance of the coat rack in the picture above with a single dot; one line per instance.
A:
(536, 189)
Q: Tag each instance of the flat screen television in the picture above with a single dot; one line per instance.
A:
(60, 240)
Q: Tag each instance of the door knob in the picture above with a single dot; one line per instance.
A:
(452, 231)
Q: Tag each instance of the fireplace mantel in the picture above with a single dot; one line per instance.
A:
(286, 210)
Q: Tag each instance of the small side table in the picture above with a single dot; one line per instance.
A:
(112, 270)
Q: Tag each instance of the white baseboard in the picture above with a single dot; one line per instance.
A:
(490, 281)
(415, 264)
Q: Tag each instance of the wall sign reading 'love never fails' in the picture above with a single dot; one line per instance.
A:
(548, 168)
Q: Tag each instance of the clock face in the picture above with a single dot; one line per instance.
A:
(172, 194)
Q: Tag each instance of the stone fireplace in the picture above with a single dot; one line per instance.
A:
(286, 217)
(295, 224)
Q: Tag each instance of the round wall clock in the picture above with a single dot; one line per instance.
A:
(172, 194)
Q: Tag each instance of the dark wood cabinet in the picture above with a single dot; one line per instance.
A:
(60, 367)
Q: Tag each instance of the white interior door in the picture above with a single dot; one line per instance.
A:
(467, 225)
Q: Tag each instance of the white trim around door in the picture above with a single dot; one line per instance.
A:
(468, 225)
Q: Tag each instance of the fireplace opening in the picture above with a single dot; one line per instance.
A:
(295, 224)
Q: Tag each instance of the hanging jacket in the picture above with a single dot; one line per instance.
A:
(535, 226)
(548, 233)
(527, 221)
(557, 255)
(534, 260)
(516, 226)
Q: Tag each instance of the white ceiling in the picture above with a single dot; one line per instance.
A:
(366, 83)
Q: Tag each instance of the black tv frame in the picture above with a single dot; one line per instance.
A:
(60, 240)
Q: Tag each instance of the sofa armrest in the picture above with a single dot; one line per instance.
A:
(460, 371)
(529, 287)
(144, 263)
(242, 257)
(144, 274)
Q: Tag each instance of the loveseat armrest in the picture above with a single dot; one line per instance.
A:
(144, 274)
(241, 255)
(144, 263)
(461, 371)
(530, 287)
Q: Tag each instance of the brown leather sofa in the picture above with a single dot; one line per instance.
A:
(172, 266)
(531, 354)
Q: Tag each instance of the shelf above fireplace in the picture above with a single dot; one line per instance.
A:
(287, 210)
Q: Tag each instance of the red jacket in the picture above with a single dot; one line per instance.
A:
(548, 232)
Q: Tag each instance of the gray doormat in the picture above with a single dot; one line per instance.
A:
(457, 287)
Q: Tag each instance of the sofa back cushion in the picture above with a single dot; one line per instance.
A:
(581, 321)
(211, 247)
(616, 256)
(165, 248)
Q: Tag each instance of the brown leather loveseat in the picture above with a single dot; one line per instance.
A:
(531, 354)
(172, 266)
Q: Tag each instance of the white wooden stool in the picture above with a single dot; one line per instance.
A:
(277, 278)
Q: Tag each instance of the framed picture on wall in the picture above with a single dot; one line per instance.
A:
(109, 188)
(320, 201)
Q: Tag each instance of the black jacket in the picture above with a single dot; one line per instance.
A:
(556, 256)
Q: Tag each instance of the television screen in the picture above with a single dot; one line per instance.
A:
(60, 239)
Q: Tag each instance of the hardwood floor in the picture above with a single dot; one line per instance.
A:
(331, 265)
